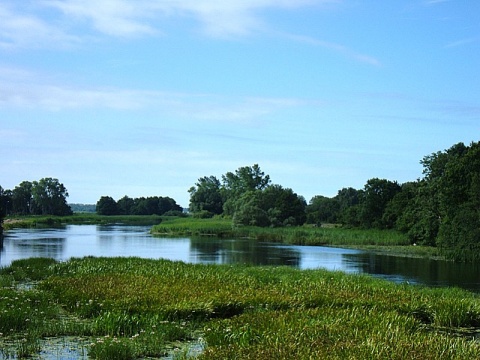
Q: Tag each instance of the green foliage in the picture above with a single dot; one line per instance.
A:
(322, 209)
(152, 205)
(107, 206)
(44, 197)
(249, 198)
(49, 196)
(206, 196)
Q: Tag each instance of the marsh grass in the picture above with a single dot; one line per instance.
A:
(304, 235)
(134, 308)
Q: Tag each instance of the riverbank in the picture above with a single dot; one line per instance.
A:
(33, 221)
(385, 242)
(126, 308)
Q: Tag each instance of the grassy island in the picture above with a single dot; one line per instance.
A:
(127, 308)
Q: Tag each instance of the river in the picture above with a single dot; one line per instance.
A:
(119, 240)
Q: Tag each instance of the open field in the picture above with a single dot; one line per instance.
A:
(126, 308)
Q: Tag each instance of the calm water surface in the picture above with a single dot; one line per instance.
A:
(118, 240)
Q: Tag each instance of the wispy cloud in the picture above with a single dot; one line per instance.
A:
(341, 49)
(461, 42)
(27, 90)
(434, 2)
(57, 22)
(110, 17)
(19, 29)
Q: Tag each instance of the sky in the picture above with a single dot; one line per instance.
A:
(144, 97)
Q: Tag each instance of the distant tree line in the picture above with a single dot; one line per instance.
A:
(154, 205)
(440, 209)
(44, 197)
(82, 208)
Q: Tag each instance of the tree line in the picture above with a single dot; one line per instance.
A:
(441, 209)
(153, 205)
(47, 196)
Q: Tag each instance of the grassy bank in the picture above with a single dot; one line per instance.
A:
(127, 308)
(81, 219)
(381, 241)
(304, 235)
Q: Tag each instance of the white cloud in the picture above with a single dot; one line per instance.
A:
(461, 42)
(434, 2)
(111, 17)
(53, 22)
(27, 90)
(18, 29)
(341, 49)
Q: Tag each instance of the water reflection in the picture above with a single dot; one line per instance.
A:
(240, 251)
(117, 240)
(421, 271)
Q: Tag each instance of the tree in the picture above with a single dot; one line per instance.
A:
(107, 206)
(247, 178)
(349, 208)
(49, 197)
(421, 215)
(22, 198)
(2, 213)
(248, 210)
(167, 204)
(206, 196)
(283, 206)
(459, 184)
(125, 205)
(322, 209)
(5, 201)
(377, 194)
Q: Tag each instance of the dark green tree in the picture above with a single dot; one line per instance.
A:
(125, 205)
(49, 197)
(459, 233)
(107, 206)
(247, 210)
(5, 201)
(349, 208)
(283, 206)
(247, 178)
(22, 198)
(420, 217)
(322, 209)
(2, 213)
(399, 204)
(377, 193)
(206, 196)
(167, 204)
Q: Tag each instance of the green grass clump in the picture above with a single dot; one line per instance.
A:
(136, 308)
(296, 235)
(32, 269)
(220, 227)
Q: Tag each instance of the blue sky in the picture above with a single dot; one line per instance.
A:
(142, 98)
